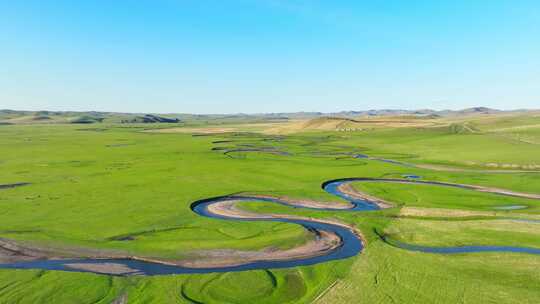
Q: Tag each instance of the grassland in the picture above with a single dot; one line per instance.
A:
(117, 188)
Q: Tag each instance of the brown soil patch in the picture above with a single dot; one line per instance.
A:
(307, 203)
(439, 212)
(323, 243)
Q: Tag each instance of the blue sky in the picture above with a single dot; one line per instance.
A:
(202, 56)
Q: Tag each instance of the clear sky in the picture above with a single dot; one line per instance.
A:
(202, 56)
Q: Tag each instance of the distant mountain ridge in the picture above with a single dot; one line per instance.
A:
(393, 112)
(13, 116)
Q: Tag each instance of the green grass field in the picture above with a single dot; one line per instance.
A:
(93, 186)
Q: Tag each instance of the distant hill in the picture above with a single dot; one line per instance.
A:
(362, 123)
(331, 123)
(462, 128)
(328, 119)
(91, 117)
(475, 110)
(150, 118)
(392, 112)
(87, 119)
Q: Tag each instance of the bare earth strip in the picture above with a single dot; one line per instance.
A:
(439, 212)
(456, 169)
(105, 268)
(352, 192)
(306, 203)
(436, 183)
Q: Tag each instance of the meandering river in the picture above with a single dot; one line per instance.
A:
(350, 241)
